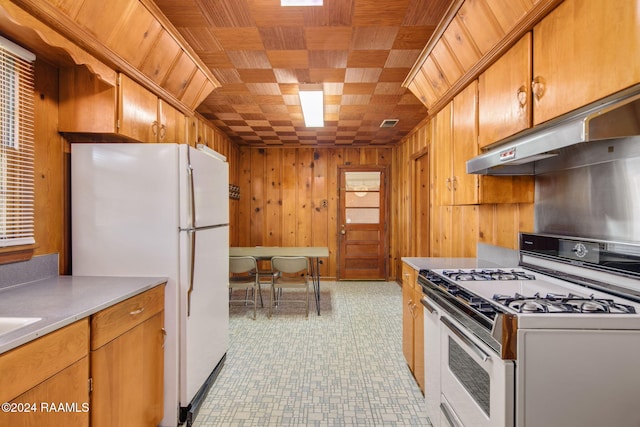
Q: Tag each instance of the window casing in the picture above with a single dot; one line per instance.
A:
(16, 145)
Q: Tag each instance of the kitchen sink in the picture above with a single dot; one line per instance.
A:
(8, 324)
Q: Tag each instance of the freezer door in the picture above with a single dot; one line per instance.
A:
(204, 336)
(209, 195)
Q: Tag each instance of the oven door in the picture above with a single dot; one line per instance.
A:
(477, 386)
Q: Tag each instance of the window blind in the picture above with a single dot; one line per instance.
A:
(16, 145)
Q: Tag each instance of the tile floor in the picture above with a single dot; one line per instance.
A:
(342, 368)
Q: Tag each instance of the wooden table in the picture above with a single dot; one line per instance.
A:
(314, 253)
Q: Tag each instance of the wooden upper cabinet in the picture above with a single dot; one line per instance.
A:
(86, 103)
(455, 141)
(138, 112)
(465, 145)
(504, 95)
(90, 110)
(442, 150)
(584, 50)
(145, 117)
(172, 124)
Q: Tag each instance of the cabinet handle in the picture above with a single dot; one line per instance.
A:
(455, 183)
(448, 181)
(136, 312)
(164, 336)
(154, 128)
(163, 131)
(538, 86)
(521, 94)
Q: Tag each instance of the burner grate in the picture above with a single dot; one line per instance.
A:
(556, 303)
(487, 274)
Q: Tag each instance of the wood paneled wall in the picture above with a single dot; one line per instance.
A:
(282, 192)
(51, 170)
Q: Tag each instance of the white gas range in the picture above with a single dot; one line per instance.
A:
(553, 341)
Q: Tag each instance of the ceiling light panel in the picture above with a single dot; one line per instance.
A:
(300, 2)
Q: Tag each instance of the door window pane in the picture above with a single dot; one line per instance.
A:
(363, 215)
(362, 181)
(369, 200)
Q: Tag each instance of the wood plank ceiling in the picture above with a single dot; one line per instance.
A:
(359, 50)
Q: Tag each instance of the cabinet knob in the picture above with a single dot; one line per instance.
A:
(521, 94)
(154, 128)
(448, 181)
(538, 86)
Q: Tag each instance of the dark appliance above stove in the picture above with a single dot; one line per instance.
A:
(617, 257)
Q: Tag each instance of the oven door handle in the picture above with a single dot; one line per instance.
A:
(428, 306)
(453, 328)
(449, 414)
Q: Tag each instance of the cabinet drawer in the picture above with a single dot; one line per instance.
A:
(114, 321)
(30, 364)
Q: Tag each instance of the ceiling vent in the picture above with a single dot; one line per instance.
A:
(388, 123)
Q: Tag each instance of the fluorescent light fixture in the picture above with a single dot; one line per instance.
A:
(311, 99)
(300, 2)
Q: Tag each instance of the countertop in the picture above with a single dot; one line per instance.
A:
(442, 263)
(61, 300)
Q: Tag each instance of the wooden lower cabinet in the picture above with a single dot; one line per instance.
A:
(412, 324)
(60, 401)
(46, 380)
(127, 362)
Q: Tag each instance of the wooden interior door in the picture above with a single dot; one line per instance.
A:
(362, 219)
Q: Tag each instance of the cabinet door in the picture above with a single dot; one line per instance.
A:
(407, 319)
(62, 400)
(418, 337)
(172, 124)
(582, 51)
(128, 377)
(465, 145)
(442, 154)
(138, 111)
(504, 89)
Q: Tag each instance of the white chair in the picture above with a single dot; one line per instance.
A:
(243, 275)
(289, 272)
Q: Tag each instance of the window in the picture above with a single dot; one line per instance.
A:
(16, 145)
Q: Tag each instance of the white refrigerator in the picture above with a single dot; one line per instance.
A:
(161, 210)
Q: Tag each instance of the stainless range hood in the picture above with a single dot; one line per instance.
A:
(617, 116)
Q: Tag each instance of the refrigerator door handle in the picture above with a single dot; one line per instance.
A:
(192, 266)
(191, 231)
